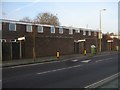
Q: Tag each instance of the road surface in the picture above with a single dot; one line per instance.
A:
(75, 73)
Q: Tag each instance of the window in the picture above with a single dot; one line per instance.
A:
(95, 33)
(60, 30)
(89, 33)
(13, 40)
(84, 32)
(70, 31)
(12, 27)
(29, 28)
(52, 29)
(2, 40)
(77, 31)
(40, 29)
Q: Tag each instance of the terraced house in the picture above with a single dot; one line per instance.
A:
(21, 40)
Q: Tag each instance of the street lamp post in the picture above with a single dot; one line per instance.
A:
(100, 33)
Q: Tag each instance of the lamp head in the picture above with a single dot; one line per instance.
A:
(103, 9)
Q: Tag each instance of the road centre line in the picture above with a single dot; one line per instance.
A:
(59, 69)
(101, 82)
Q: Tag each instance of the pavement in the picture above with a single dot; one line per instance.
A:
(47, 59)
(71, 73)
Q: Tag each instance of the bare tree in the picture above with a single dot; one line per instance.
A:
(47, 18)
(26, 19)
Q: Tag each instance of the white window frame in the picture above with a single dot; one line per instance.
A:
(2, 40)
(10, 26)
(77, 30)
(13, 40)
(60, 30)
(40, 29)
(70, 31)
(28, 30)
(89, 33)
(95, 33)
(52, 29)
(84, 33)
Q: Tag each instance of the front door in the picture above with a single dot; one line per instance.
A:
(15, 50)
(81, 47)
(76, 48)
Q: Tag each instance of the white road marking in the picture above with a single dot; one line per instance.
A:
(59, 69)
(94, 85)
(29, 65)
(105, 54)
(99, 60)
(103, 60)
(86, 61)
(75, 60)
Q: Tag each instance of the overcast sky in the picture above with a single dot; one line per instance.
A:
(76, 13)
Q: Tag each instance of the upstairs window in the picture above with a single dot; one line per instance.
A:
(29, 28)
(12, 27)
(40, 29)
(77, 31)
(2, 40)
(95, 33)
(60, 30)
(89, 33)
(52, 29)
(70, 31)
(84, 32)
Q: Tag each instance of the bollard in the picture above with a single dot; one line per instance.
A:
(58, 54)
(84, 52)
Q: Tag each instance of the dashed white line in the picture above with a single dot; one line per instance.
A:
(59, 69)
(99, 60)
(86, 61)
(75, 60)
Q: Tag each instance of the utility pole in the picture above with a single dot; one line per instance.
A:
(100, 32)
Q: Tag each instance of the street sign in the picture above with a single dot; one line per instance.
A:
(82, 40)
(21, 38)
(109, 40)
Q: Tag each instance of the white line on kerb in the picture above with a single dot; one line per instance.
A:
(103, 59)
(94, 85)
(30, 65)
(59, 69)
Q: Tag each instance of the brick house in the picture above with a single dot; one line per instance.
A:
(44, 40)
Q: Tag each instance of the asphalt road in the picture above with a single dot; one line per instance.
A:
(75, 73)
